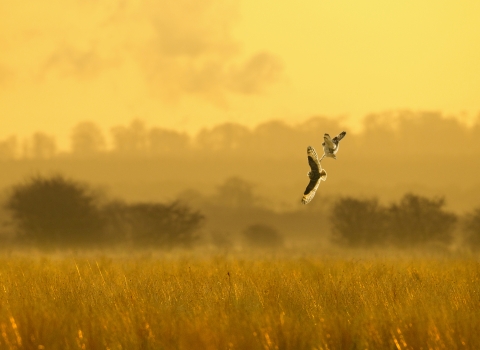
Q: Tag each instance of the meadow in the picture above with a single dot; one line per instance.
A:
(226, 302)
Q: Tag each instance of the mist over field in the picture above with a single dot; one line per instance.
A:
(394, 152)
(239, 179)
(141, 107)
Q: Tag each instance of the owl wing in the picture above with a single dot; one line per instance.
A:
(310, 190)
(317, 174)
(313, 160)
(340, 136)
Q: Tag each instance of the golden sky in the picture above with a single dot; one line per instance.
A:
(189, 64)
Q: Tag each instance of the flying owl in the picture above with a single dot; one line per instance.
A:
(330, 146)
(316, 174)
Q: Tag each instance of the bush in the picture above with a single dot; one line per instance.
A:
(418, 220)
(413, 221)
(358, 222)
(153, 224)
(263, 236)
(55, 211)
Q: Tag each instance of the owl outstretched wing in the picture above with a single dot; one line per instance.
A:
(316, 174)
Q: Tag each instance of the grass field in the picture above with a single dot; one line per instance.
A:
(239, 303)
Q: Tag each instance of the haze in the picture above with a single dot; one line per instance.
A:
(187, 65)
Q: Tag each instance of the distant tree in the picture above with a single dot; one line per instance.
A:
(52, 211)
(270, 139)
(474, 136)
(43, 146)
(154, 225)
(358, 222)
(236, 193)
(8, 148)
(87, 139)
(414, 221)
(419, 125)
(192, 197)
(417, 220)
(315, 127)
(162, 141)
(224, 137)
(132, 139)
(263, 236)
(380, 129)
(471, 228)
(395, 130)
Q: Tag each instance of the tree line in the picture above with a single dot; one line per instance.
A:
(58, 212)
(54, 211)
(399, 132)
(413, 221)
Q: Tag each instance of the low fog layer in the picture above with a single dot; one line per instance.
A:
(396, 152)
(242, 187)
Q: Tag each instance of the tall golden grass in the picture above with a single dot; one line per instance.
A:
(239, 303)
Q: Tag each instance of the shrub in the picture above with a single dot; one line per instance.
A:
(358, 222)
(418, 220)
(414, 221)
(153, 224)
(55, 211)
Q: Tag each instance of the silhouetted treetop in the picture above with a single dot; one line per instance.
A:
(165, 142)
(132, 139)
(87, 139)
(398, 133)
(224, 137)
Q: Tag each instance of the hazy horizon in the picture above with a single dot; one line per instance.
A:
(396, 152)
(388, 118)
(217, 62)
(153, 101)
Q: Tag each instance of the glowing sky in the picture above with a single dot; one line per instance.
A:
(190, 64)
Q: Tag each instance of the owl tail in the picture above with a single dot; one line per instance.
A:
(323, 175)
